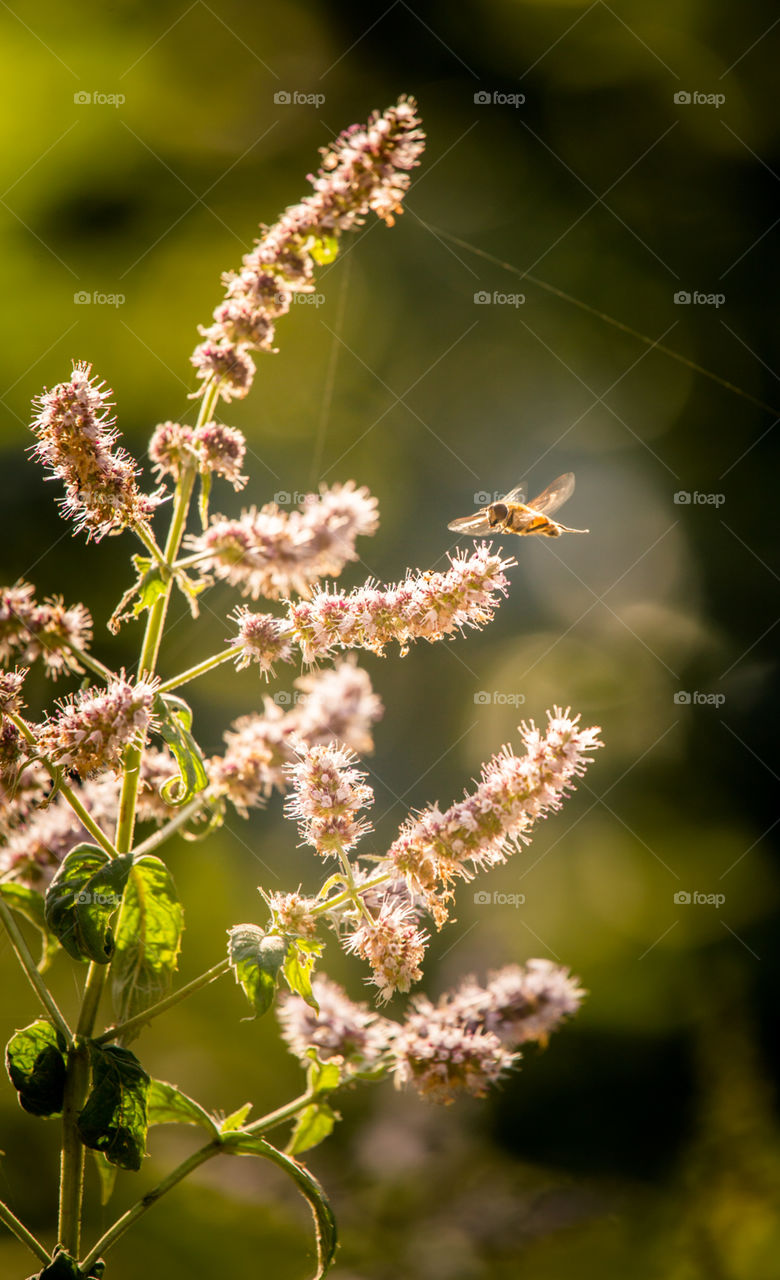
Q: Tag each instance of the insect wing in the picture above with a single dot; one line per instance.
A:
(474, 525)
(515, 495)
(554, 496)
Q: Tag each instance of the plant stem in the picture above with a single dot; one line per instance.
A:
(122, 1028)
(202, 667)
(349, 894)
(84, 817)
(123, 1224)
(30, 968)
(20, 1231)
(72, 1158)
(199, 1157)
(172, 826)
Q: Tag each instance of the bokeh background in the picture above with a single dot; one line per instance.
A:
(645, 1138)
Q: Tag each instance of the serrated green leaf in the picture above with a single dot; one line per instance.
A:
(107, 1175)
(148, 938)
(323, 1076)
(166, 1104)
(236, 1119)
(302, 955)
(315, 1124)
(152, 583)
(256, 958)
(35, 1061)
(310, 1189)
(113, 1119)
(30, 904)
(175, 722)
(82, 899)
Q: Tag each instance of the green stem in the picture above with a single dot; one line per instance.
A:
(349, 894)
(199, 1157)
(92, 664)
(208, 664)
(72, 1158)
(85, 818)
(140, 1207)
(20, 1231)
(28, 964)
(154, 1010)
(172, 826)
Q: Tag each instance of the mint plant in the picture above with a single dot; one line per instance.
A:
(94, 790)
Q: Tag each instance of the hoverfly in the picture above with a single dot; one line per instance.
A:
(511, 514)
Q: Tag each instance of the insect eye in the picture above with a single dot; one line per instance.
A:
(498, 512)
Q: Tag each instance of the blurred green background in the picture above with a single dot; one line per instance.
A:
(645, 1138)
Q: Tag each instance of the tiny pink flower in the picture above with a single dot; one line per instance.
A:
(45, 631)
(264, 639)
(326, 794)
(342, 1028)
(393, 946)
(91, 729)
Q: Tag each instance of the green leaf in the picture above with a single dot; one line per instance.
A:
(309, 1187)
(324, 250)
(151, 585)
(323, 1076)
(82, 899)
(114, 1118)
(35, 1060)
(236, 1119)
(166, 1104)
(107, 1174)
(175, 722)
(298, 967)
(148, 938)
(30, 904)
(64, 1267)
(256, 958)
(315, 1123)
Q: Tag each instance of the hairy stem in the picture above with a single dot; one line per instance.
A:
(154, 1010)
(20, 1231)
(30, 968)
(208, 664)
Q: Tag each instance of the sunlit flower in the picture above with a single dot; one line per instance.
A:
(443, 1057)
(264, 639)
(11, 685)
(479, 831)
(31, 630)
(326, 794)
(393, 946)
(342, 1029)
(520, 1002)
(271, 553)
(91, 729)
(292, 914)
(364, 169)
(425, 606)
(36, 847)
(76, 441)
(339, 703)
